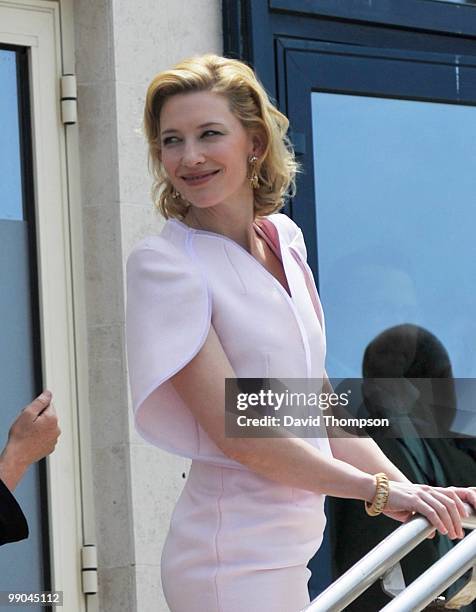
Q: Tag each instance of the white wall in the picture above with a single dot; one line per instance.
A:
(120, 46)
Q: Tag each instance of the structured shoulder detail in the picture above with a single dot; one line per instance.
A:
(165, 249)
(290, 233)
(286, 225)
(299, 245)
(167, 321)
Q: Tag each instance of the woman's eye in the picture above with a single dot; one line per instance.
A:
(174, 139)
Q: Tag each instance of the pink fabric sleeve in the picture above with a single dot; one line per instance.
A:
(167, 321)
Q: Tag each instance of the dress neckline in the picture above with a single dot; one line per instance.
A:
(276, 248)
(256, 226)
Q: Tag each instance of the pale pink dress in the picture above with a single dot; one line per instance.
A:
(237, 542)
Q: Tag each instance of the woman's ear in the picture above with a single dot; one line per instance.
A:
(259, 144)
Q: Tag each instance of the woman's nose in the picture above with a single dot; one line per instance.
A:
(192, 154)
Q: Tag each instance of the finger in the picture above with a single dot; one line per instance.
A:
(437, 503)
(455, 511)
(423, 507)
(48, 418)
(41, 403)
(447, 512)
(431, 535)
(48, 411)
(451, 491)
(470, 496)
(467, 495)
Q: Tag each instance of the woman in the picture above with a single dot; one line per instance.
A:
(225, 291)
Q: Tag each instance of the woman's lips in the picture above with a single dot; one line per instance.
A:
(199, 180)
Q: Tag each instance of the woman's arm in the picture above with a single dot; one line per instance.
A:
(289, 461)
(366, 455)
(362, 453)
(294, 462)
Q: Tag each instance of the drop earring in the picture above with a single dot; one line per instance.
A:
(252, 172)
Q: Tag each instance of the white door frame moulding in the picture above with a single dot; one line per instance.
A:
(46, 28)
(71, 137)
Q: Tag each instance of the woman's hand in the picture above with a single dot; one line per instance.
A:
(442, 506)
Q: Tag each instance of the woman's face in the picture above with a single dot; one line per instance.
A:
(205, 149)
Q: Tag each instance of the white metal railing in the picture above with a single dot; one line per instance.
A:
(387, 554)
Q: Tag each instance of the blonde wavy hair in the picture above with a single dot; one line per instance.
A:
(249, 102)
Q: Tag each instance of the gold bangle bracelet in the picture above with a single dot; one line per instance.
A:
(382, 491)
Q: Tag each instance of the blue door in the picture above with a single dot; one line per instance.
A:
(23, 565)
(381, 99)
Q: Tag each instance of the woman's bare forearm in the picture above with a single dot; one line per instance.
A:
(366, 455)
(296, 463)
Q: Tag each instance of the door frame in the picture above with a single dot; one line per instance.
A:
(305, 67)
(45, 27)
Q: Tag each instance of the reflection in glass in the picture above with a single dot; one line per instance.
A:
(395, 187)
(11, 205)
